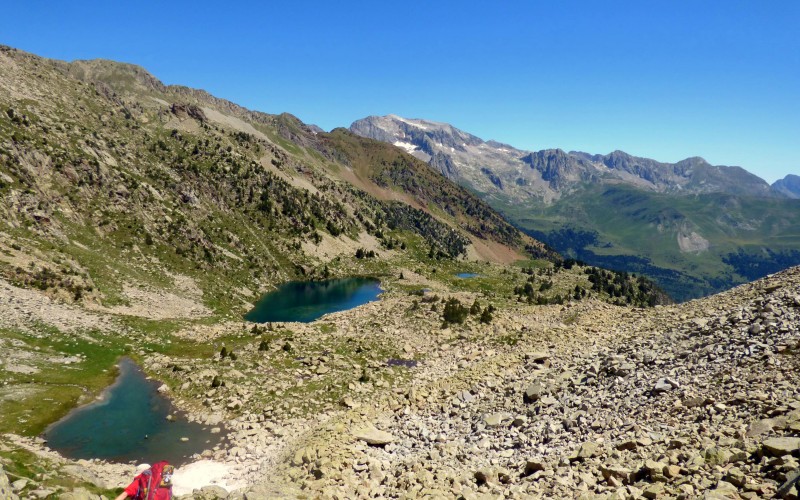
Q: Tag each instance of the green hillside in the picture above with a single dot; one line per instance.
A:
(691, 245)
(109, 178)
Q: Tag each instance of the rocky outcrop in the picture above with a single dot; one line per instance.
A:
(184, 111)
(555, 167)
(6, 492)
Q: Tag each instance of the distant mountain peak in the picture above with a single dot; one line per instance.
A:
(788, 186)
(492, 167)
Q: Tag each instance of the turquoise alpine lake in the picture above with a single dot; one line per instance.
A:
(305, 301)
(467, 275)
(129, 423)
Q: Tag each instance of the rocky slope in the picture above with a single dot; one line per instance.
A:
(590, 401)
(133, 181)
(579, 400)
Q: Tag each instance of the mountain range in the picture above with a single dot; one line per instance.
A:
(696, 228)
(143, 220)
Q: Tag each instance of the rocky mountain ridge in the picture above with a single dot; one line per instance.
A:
(495, 168)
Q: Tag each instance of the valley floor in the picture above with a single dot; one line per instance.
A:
(582, 400)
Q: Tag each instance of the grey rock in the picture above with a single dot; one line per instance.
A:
(538, 357)
(780, 446)
(43, 493)
(717, 456)
(79, 494)
(211, 492)
(616, 472)
(533, 393)
(736, 477)
(466, 397)
(5, 488)
(586, 450)
(85, 474)
(496, 419)
(789, 485)
(533, 466)
(373, 436)
(665, 385)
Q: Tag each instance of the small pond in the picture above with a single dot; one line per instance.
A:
(130, 423)
(467, 275)
(305, 301)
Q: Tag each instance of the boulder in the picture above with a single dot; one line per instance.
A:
(717, 456)
(781, 446)
(373, 436)
(665, 385)
(5, 487)
(586, 450)
(210, 492)
(496, 419)
(533, 393)
(78, 494)
(533, 466)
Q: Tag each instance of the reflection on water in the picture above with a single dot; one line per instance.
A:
(305, 301)
(129, 424)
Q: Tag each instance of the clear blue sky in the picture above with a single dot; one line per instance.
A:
(662, 79)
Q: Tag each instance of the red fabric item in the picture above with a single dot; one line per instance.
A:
(140, 483)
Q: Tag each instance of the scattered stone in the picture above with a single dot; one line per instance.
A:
(760, 427)
(349, 402)
(736, 477)
(790, 485)
(780, 446)
(653, 491)
(538, 357)
(496, 419)
(586, 450)
(533, 466)
(533, 393)
(672, 471)
(717, 456)
(484, 476)
(210, 492)
(665, 385)
(373, 436)
(618, 473)
(5, 488)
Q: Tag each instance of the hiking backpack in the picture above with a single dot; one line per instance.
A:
(158, 476)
